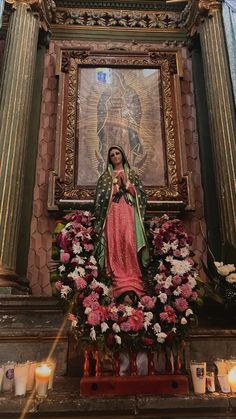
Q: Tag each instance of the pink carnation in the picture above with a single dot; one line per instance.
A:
(91, 301)
(176, 280)
(168, 315)
(147, 302)
(125, 326)
(186, 290)
(136, 320)
(177, 253)
(80, 283)
(181, 304)
(64, 257)
(94, 318)
(88, 247)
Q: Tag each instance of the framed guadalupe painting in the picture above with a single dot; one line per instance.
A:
(126, 98)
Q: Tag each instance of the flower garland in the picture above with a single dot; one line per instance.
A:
(161, 317)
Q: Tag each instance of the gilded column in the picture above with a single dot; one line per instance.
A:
(206, 18)
(15, 103)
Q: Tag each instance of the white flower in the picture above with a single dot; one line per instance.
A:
(86, 213)
(80, 260)
(188, 312)
(225, 270)
(87, 310)
(81, 271)
(116, 328)
(183, 321)
(104, 327)
(166, 247)
(174, 245)
(168, 282)
(92, 260)
(169, 258)
(93, 334)
(147, 319)
(180, 267)
(162, 297)
(157, 328)
(129, 310)
(117, 339)
(192, 281)
(74, 323)
(184, 251)
(231, 278)
(65, 289)
(114, 309)
(174, 329)
(177, 292)
(159, 278)
(77, 248)
(161, 337)
(62, 268)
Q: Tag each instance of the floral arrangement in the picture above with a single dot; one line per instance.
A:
(221, 284)
(161, 317)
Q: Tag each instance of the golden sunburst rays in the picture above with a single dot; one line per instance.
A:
(110, 124)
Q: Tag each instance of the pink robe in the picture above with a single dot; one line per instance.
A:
(121, 255)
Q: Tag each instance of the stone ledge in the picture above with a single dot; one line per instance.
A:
(65, 398)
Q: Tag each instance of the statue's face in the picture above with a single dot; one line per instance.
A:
(115, 156)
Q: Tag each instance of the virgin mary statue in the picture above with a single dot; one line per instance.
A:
(119, 208)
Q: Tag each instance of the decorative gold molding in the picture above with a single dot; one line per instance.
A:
(44, 9)
(117, 18)
(197, 11)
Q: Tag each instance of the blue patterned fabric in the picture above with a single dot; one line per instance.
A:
(229, 19)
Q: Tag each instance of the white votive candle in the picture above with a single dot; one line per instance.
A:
(1, 377)
(31, 376)
(198, 372)
(8, 377)
(42, 376)
(20, 378)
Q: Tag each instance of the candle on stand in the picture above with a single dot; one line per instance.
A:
(20, 378)
(232, 379)
(31, 376)
(42, 376)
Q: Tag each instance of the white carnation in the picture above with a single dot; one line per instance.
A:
(184, 251)
(117, 339)
(161, 337)
(168, 282)
(157, 328)
(180, 267)
(162, 297)
(93, 334)
(116, 328)
(188, 312)
(77, 249)
(183, 321)
(104, 327)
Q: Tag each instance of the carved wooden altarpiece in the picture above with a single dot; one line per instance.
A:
(127, 95)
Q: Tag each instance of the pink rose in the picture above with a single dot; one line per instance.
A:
(181, 304)
(64, 257)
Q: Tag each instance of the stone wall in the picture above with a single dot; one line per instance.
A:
(42, 221)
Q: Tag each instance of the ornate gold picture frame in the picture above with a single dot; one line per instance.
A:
(130, 98)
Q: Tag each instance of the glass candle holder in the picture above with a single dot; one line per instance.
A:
(8, 377)
(210, 381)
(20, 378)
(31, 376)
(42, 376)
(198, 373)
(52, 364)
(224, 383)
(232, 379)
